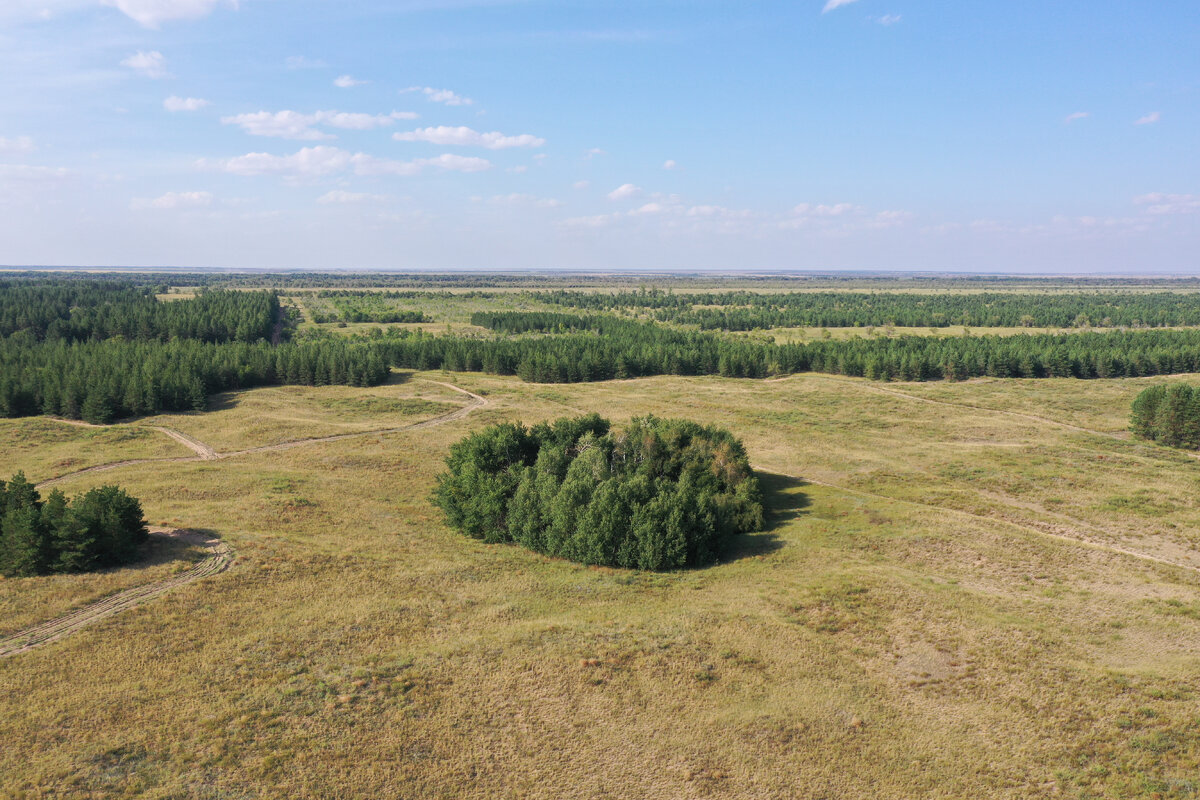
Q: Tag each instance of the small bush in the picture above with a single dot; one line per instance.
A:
(662, 494)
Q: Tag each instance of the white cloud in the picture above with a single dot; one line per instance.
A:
(340, 197)
(1159, 203)
(595, 151)
(465, 137)
(151, 13)
(581, 184)
(300, 62)
(323, 160)
(174, 200)
(516, 199)
(295, 125)
(306, 162)
(152, 64)
(624, 191)
(1078, 115)
(17, 144)
(32, 173)
(822, 210)
(347, 82)
(455, 163)
(1149, 119)
(670, 164)
(832, 4)
(174, 103)
(440, 95)
(887, 20)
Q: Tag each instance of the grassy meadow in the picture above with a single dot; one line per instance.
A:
(940, 608)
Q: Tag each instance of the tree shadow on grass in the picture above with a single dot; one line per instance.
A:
(784, 503)
(398, 376)
(163, 548)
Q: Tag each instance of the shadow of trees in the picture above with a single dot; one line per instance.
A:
(784, 503)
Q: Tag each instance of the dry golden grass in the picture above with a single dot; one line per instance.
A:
(46, 448)
(873, 643)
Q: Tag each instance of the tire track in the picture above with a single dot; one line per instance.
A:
(1025, 527)
(206, 453)
(219, 558)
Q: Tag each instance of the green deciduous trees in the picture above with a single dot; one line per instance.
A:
(662, 494)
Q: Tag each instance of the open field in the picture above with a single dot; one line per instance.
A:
(950, 602)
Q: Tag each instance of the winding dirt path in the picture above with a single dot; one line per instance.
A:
(218, 560)
(221, 555)
(206, 453)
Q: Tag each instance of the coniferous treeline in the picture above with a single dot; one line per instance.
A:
(601, 348)
(102, 528)
(96, 310)
(102, 381)
(741, 311)
(1168, 414)
(662, 494)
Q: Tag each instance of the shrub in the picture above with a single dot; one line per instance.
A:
(1168, 414)
(662, 494)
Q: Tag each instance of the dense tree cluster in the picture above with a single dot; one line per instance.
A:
(75, 311)
(660, 495)
(102, 528)
(741, 311)
(592, 348)
(102, 381)
(1168, 414)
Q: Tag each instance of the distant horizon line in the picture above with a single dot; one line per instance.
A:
(669, 272)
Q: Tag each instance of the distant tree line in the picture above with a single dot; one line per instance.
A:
(741, 310)
(102, 528)
(77, 311)
(660, 495)
(1168, 414)
(599, 347)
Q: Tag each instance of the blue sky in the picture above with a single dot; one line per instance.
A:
(664, 134)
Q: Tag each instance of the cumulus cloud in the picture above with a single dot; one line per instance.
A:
(1149, 119)
(465, 137)
(16, 144)
(832, 4)
(295, 125)
(174, 103)
(1078, 115)
(593, 152)
(581, 184)
(670, 164)
(175, 200)
(152, 13)
(300, 62)
(1160, 203)
(347, 82)
(323, 160)
(624, 191)
(28, 172)
(444, 96)
(517, 199)
(151, 63)
(341, 197)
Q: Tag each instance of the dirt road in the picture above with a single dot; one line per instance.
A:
(219, 558)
